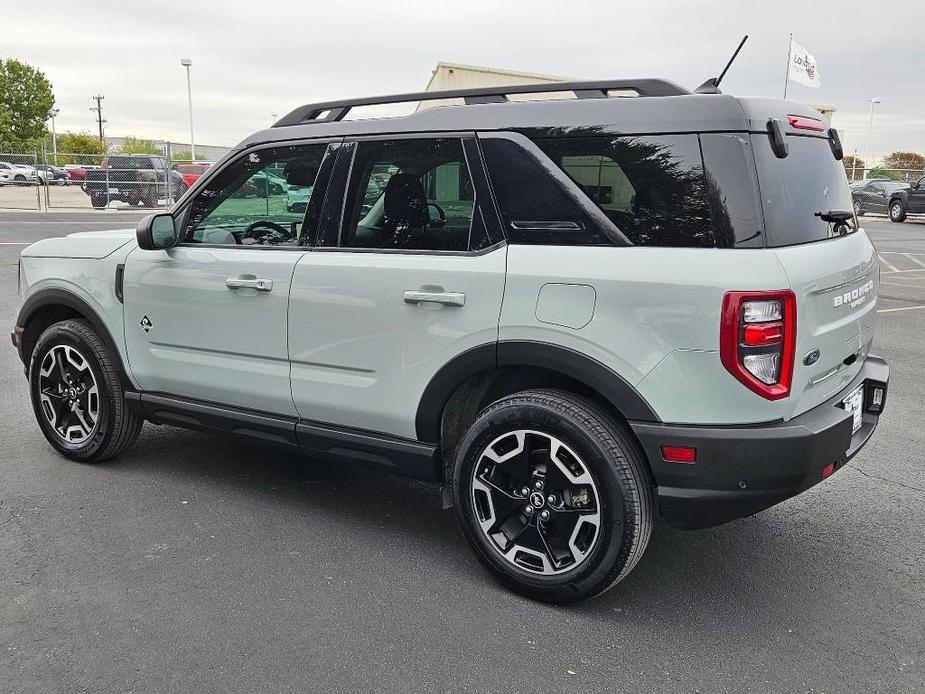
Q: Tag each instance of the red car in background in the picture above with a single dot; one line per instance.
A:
(191, 172)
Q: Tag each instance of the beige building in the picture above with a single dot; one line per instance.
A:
(448, 76)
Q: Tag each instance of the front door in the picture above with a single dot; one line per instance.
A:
(916, 196)
(408, 276)
(207, 319)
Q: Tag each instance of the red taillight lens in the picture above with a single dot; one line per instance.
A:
(804, 123)
(679, 454)
(758, 340)
(761, 334)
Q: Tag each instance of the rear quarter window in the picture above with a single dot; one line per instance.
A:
(652, 188)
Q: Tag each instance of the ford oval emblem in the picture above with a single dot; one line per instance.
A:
(811, 357)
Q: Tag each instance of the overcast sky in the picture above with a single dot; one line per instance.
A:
(253, 58)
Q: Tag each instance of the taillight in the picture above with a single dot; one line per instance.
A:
(804, 123)
(757, 340)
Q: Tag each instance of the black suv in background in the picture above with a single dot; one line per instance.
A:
(136, 179)
(894, 198)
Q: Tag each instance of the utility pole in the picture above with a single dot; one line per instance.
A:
(54, 133)
(99, 117)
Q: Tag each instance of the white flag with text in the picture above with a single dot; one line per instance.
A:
(803, 68)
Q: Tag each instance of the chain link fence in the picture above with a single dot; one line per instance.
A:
(19, 174)
(879, 172)
(35, 179)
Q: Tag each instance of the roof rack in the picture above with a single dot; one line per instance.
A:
(330, 111)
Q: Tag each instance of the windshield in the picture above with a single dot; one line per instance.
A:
(805, 195)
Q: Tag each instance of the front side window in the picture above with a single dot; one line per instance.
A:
(412, 194)
(260, 199)
(651, 187)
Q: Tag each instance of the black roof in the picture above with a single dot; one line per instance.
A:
(660, 107)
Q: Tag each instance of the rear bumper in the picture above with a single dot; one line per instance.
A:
(741, 470)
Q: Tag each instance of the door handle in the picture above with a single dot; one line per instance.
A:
(417, 296)
(261, 285)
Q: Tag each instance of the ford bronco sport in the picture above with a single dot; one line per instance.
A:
(574, 314)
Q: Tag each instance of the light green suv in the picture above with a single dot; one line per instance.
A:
(573, 314)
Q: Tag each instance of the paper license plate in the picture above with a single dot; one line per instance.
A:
(854, 403)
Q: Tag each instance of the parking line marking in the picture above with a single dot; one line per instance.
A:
(901, 308)
(885, 262)
(16, 243)
(900, 272)
(914, 260)
(901, 253)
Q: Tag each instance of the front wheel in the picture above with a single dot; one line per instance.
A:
(897, 211)
(77, 394)
(553, 495)
(858, 210)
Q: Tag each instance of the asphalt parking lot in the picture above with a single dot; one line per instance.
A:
(198, 564)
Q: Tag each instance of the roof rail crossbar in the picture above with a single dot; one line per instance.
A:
(326, 112)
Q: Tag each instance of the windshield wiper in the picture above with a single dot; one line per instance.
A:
(835, 216)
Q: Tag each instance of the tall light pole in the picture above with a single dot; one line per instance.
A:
(187, 63)
(54, 135)
(870, 129)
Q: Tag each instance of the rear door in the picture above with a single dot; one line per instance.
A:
(407, 275)
(832, 266)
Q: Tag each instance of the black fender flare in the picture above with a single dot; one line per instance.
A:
(582, 368)
(61, 297)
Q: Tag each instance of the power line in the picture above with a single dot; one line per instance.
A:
(99, 116)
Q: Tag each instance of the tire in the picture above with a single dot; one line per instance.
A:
(858, 210)
(20, 180)
(98, 201)
(594, 521)
(897, 211)
(71, 364)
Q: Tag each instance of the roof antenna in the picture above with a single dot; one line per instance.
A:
(711, 86)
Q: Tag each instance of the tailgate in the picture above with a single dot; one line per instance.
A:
(836, 283)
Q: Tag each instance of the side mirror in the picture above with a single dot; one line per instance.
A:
(157, 232)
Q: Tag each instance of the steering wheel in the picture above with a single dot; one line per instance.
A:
(441, 215)
(272, 233)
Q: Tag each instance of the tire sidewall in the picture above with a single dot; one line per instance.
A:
(62, 334)
(897, 216)
(601, 567)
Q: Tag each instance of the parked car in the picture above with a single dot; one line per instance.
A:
(907, 200)
(875, 196)
(191, 172)
(861, 182)
(297, 198)
(137, 179)
(17, 174)
(574, 315)
(51, 175)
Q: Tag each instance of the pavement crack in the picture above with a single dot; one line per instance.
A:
(887, 480)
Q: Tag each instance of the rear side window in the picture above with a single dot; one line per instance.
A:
(652, 188)
(535, 206)
(805, 195)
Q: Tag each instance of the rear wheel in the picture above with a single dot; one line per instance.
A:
(98, 201)
(77, 394)
(553, 495)
(897, 211)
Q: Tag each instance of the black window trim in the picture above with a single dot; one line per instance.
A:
(181, 211)
(336, 194)
(568, 186)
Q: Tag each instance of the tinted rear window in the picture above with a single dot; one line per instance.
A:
(795, 190)
(652, 188)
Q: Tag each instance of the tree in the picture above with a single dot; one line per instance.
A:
(79, 148)
(910, 163)
(854, 167)
(879, 172)
(134, 145)
(185, 156)
(25, 100)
